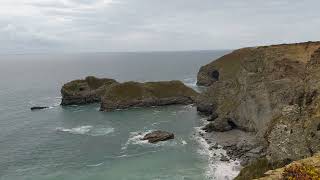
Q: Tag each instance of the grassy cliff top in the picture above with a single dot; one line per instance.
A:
(254, 59)
(136, 91)
(89, 83)
(308, 168)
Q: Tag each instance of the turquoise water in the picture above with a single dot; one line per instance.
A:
(81, 143)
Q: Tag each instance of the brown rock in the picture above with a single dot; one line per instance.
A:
(157, 136)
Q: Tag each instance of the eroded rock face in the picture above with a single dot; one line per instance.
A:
(134, 94)
(272, 91)
(157, 136)
(88, 90)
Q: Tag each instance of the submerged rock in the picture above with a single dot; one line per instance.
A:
(38, 108)
(88, 90)
(135, 94)
(157, 136)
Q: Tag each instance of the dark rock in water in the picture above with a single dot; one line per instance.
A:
(224, 158)
(213, 117)
(157, 136)
(38, 108)
(88, 90)
(215, 146)
(135, 94)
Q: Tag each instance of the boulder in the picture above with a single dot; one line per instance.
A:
(88, 90)
(157, 136)
(135, 94)
(220, 125)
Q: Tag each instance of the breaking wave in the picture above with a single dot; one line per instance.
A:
(86, 130)
(216, 169)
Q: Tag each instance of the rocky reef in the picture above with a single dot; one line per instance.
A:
(157, 136)
(269, 92)
(135, 94)
(85, 91)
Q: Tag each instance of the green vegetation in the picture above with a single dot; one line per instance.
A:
(89, 83)
(257, 168)
(301, 172)
(136, 91)
(169, 89)
(95, 83)
(127, 91)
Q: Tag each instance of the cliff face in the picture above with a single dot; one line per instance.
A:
(88, 90)
(135, 94)
(270, 90)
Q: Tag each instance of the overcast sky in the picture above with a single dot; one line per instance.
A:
(153, 25)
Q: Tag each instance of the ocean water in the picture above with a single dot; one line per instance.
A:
(82, 143)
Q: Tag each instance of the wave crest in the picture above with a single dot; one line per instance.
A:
(86, 130)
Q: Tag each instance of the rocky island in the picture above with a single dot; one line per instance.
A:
(114, 95)
(268, 99)
(135, 94)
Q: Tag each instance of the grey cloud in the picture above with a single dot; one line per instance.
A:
(144, 25)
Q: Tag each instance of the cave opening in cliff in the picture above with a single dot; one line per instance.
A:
(215, 75)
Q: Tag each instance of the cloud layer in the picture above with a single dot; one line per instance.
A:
(150, 25)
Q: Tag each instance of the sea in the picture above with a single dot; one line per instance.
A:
(82, 143)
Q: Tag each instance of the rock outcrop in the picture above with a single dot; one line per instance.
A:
(88, 90)
(135, 94)
(157, 136)
(272, 91)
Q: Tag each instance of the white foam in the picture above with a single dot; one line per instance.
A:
(87, 130)
(184, 142)
(76, 130)
(101, 131)
(136, 138)
(191, 82)
(155, 112)
(95, 165)
(217, 169)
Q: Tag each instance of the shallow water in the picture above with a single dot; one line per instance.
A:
(80, 142)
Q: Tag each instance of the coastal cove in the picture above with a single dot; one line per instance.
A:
(81, 142)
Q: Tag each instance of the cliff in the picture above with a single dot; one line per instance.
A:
(272, 91)
(84, 91)
(135, 94)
